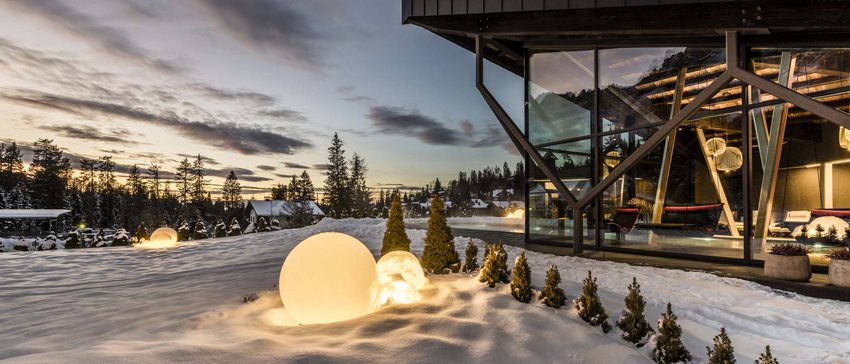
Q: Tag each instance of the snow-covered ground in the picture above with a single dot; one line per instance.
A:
(185, 304)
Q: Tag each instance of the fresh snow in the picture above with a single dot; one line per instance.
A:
(185, 304)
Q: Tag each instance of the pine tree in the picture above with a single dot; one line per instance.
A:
(302, 214)
(723, 352)
(235, 229)
(100, 239)
(50, 171)
(220, 230)
(495, 269)
(553, 295)
(200, 231)
(439, 255)
(275, 225)
(633, 322)
(262, 225)
(184, 181)
(766, 357)
(395, 237)
(360, 194)
(183, 232)
(470, 264)
(590, 306)
(141, 234)
(521, 282)
(73, 240)
(232, 194)
(11, 166)
(337, 197)
(121, 238)
(668, 345)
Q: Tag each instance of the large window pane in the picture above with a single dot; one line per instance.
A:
(638, 85)
(560, 95)
(808, 70)
(694, 208)
(571, 163)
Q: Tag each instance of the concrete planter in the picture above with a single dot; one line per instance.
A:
(788, 268)
(839, 272)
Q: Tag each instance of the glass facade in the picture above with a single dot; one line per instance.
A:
(744, 157)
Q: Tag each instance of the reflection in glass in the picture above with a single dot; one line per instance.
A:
(560, 95)
(807, 70)
(638, 85)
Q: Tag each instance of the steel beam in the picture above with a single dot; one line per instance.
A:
(516, 135)
(718, 185)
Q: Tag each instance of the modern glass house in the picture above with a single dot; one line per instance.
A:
(704, 130)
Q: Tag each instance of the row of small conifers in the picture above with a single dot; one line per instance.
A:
(668, 348)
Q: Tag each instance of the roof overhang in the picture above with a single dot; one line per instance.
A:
(32, 213)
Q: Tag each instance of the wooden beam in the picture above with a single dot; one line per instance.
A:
(718, 184)
(669, 148)
(774, 155)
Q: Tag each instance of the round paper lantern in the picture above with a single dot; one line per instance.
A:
(715, 146)
(328, 277)
(844, 137)
(730, 160)
(612, 160)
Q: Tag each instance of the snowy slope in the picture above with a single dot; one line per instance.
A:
(184, 304)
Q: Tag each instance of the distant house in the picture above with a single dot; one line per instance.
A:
(502, 194)
(501, 208)
(279, 209)
(31, 221)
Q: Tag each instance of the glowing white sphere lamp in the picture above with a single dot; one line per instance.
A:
(715, 146)
(730, 160)
(401, 277)
(161, 238)
(328, 277)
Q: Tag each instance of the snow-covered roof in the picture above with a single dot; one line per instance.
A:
(32, 213)
(427, 205)
(496, 193)
(280, 207)
(478, 203)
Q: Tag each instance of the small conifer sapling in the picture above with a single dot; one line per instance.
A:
(668, 345)
(200, 231)
(553, 295)
(633, 321)
(495, 266)
(471, 262)
(395, 238)
(766, 357)
(590, 306)
(521, 283)
(235, 229)
(439, 255)
(723, 352)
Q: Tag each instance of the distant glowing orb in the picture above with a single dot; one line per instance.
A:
(161, 238)
(328, 277)
(516, 214)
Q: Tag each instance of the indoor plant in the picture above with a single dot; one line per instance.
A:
(788, 261)
(839, 266)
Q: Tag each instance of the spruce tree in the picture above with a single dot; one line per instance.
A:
(633, 322)
(141, 234)
(121, 238)
(200, 231)
(553, 295)
(183, 232)
(220, 230)
(302, 214)
(235, 229)
(668, 345)
(495, 269)
(470, 264)
(521, 282)
(49, 169)
(723, 352)
(395, 238)
(439, 255)
(262, 226)
(590, 306)
(766, 357)
(73, 240)
(337, 197)
(232, 194)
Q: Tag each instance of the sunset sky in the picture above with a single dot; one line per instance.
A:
(255, 86)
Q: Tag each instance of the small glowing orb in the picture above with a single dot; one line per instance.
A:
(401, 277)
(404, 264)
(517, 214)
(328, 277)
(161, 238)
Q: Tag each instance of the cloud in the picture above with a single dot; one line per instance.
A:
(266, 168)
(241, 173)
(283, 114)
(88, 132)
(298, 166)
(398, 121)
(321, 167)
(344, 89)
(270, 26)
(233, 95)
(205, 159)
(244, 139)
(359, 98)
(281, 175)
(87, 28)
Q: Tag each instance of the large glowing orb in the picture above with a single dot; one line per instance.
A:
(328, 277)
(401, 277)
(161, 238)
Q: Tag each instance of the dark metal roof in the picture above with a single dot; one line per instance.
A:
(460, 7)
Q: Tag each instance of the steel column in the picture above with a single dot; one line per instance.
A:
(669, 148)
